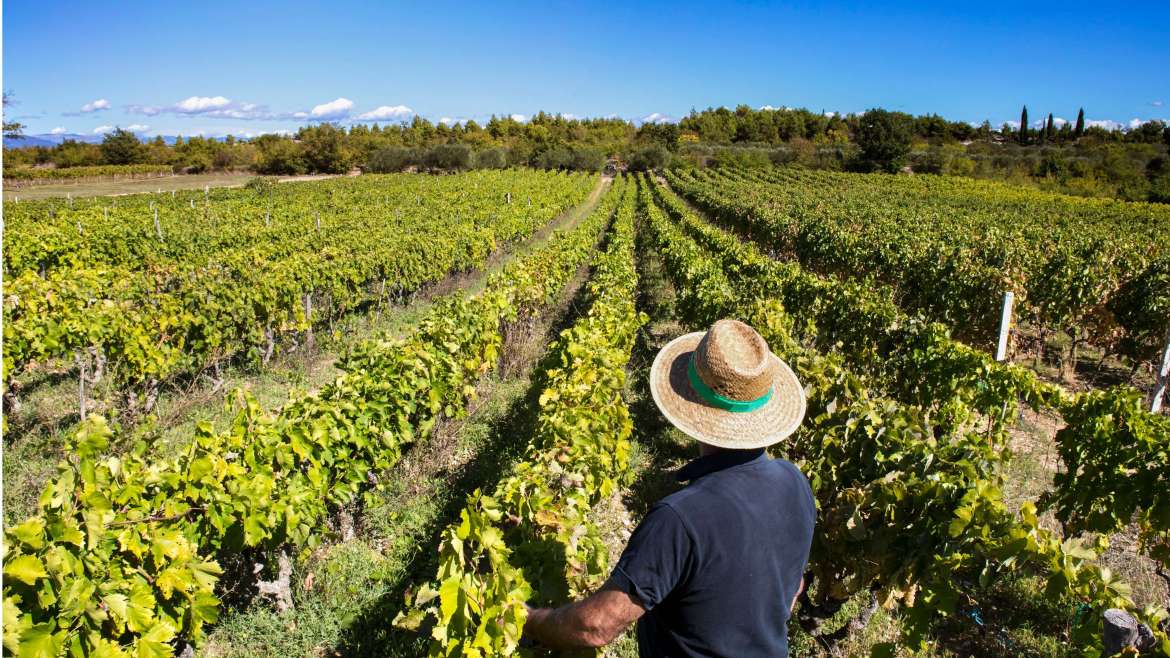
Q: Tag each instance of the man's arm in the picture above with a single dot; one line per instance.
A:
(592, 622)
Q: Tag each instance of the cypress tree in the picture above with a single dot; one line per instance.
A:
(1050, 129)
(1024, 125)
(1080, 129)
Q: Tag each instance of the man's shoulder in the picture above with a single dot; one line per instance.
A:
(782, 474)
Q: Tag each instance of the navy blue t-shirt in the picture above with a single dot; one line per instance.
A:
(718, 563)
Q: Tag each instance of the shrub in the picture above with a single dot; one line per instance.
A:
(449, 157)
(652, 157)
(390, 160)
(279, 156)
(557, 157)
(587, 159)
(491, 159)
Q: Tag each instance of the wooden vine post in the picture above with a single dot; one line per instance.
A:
(157, 226)
(81, 374)
(1163, 377)
(1122, 631)
(1005, 325)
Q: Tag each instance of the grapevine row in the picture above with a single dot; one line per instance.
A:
(918, 502)
(499, 555)
(152, 312)
(1098, 270)
(1117, 456)
(120, 558)
(38, 174)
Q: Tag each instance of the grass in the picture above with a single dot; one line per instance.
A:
(132, 186)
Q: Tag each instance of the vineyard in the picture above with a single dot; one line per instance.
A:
(882, 292)
(19, 176)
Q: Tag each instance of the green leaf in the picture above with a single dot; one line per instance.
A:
(25, 568)
(31, 532)
(40, 641)
(118, 605)
(449, 596)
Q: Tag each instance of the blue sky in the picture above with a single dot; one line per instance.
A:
(249, 67)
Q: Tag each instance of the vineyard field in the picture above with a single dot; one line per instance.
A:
(1096, 270)
(148, 288)
(498, 452)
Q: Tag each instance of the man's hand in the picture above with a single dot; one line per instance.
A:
(592, 622)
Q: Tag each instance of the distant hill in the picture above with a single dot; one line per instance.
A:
(48, 139)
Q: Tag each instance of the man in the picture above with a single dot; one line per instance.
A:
(715, 568)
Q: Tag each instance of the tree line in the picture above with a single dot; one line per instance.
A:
(1073, 157)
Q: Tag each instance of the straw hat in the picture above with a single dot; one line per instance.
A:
(725, 388)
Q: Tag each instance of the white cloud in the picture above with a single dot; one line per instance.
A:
(101, 130)
(137, 128)
(1136, 123)
(447, 121)
(59, 130)
(569, 117)
(380, 113)
(1156, 103)
(1107, 124)
(657, 117)
(148, 110)
(216, 107)
(335, 109)
(96, 106)
(1058, 121)
(1014, 124)
(519, 118)
(201, 104)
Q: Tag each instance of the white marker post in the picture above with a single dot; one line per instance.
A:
(1005, 325)
(1163, 377)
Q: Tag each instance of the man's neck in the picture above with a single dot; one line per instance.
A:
(706, 450)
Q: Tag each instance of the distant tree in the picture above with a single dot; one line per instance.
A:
(884, 138)
(12, 129)
(122, 147)
(647, 159)
(557, 157)
(496, 158)
(448, 157)
(390, 159)
(325, 149)
(279, 156)
(1050, 129)
(586, 159)
(1024, 125)
(71, 153)
(985, 130)
(1080, 129)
